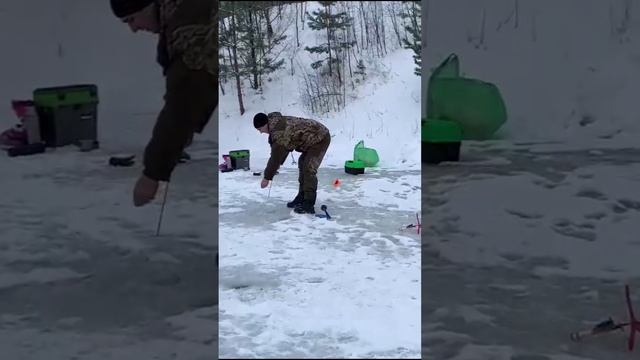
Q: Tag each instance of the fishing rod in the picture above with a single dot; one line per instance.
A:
(609, 325)
(164, 201)
(418, 225)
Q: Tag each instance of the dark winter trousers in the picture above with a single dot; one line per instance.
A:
(308, 163)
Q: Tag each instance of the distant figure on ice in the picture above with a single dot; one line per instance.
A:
(188, 55)
(286, 134)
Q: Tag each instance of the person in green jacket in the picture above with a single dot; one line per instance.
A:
(286, 134)
(188, 54)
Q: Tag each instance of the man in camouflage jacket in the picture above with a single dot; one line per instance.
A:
(188, 54)
(286, 134)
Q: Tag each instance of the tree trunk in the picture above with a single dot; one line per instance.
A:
(252, 53)
(262, 52)
(223, 30)
(394, 21)
(384, 34)
(329, 43)
(366, 24)
(268, 19)
(297, 38)
(353, 27)
(376, 29)
(349, 58)
(260, 38)
(350, 69)
(344, 94)
(234, 54)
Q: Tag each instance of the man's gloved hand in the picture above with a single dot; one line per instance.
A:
(144, 191)
(264, 183)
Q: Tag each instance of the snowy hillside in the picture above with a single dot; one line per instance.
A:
(83, 274)
(566, 71)
(385, 110)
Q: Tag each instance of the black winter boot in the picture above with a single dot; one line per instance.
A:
(296, 201)
(306, 207)
(184, 157)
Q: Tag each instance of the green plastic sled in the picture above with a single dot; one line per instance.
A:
(367, 155)
(476, 105)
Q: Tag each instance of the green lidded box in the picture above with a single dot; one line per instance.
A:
(354, 167)
(67, 114)
(239, 159)
(441, 140)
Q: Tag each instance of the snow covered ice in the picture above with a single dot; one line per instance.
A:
(560, 245)
(533, 236)
(301, 286)
(83, 275)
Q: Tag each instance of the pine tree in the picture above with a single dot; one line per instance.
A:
(324, 20)
(257, 44)
(247, 39)
(414, 29)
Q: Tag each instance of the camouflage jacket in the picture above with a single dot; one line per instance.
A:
(189, 31)
(288, 133)
(187, 52)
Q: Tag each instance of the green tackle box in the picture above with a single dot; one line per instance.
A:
(441, 141)
(239, 159)
(354, 167)
(67, 114)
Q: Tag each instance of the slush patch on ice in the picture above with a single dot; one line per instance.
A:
(444, 335)
(524, 214)
(490, 161)
(197, 325)
(230, 210)
(599, 223)
(39, 276)
(484, 352)
(163, 257)
(287, 274)
(510, 287)
(244, 276)
(470, 314)
(589, 295)
(551, 271)
(630, 204)
(591, 193)
(22, 253)
(392, 193)
(10, 320)
(568, 357)
(70, 321)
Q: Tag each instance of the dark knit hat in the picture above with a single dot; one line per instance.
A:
(122, 8)
(260, 120)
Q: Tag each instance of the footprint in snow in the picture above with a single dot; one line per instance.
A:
(591, 194)
(630, 204)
